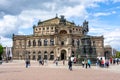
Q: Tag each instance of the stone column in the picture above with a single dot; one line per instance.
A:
(56, 40)
(42, 41)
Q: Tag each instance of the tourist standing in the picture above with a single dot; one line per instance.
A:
(83, 63)
(89, 63)
(27, 63)
(117, 61)
(70, 65)
(97, 62)
(102, 63)
(63, 62)
(86, 63)
(56, 62)
(40, 62)
(107, 63)
(111, 60)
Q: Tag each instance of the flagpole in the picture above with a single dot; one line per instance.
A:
(10, 53)
(6, 54)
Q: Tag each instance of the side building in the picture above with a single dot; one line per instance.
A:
(57, 38)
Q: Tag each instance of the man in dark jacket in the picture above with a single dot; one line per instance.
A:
(70, 65)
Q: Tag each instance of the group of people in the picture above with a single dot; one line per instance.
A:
(86, 63)
(102, 63)
(114, 60)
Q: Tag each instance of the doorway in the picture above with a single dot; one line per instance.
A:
(63, 55)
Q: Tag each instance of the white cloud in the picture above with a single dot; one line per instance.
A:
(104, 13)
(6, 41)
(113, 38)
(111, 35)
(8, 25)
(78, 11)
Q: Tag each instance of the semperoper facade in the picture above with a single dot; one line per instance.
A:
(55, 38)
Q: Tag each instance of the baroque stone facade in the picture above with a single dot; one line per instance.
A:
(54, 38)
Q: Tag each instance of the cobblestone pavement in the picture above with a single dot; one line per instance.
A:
(16, 71)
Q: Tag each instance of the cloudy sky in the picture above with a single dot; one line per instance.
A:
(18, 17)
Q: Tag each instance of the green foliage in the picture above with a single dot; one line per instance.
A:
(1, 52)
(117, 54)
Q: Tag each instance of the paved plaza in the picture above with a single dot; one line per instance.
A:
(16, 70)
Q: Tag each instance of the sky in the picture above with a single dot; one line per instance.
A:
(18, 17)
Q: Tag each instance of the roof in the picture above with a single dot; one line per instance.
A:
(108, 46)
(55, 20)
(86, 36)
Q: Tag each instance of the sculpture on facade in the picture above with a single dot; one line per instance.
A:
(62, 20)
(85, 27)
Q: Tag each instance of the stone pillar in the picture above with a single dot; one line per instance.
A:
(56, 40)
(36, 40)
(42, 41)
(70, 40)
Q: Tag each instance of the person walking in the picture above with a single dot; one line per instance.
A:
(27, 63)
(83, 63)
(117, 61)
(56, 61)
(86, 63)
(40, 61)
(70, 65)
(63, 62)
(106, 63)
(89, 63)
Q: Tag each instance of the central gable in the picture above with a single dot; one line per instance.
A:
(55, 21)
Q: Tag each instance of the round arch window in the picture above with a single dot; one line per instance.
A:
(63, 32)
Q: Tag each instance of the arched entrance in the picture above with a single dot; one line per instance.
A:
(63, 55)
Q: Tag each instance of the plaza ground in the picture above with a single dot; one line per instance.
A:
(16, 70)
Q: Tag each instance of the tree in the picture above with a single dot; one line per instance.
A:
(117, 54)
(1, 51)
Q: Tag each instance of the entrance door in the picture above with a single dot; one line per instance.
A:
(63, 55)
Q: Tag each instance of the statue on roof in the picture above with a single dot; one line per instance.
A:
(62, 20)
(34, 26)
(56, 15)
(85, 26)
(39, 22)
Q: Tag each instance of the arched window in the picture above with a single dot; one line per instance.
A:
(51, 55)
(72, 55)
(28, 55)
(78, 42)
(70, 31)
(34, 57)
(72, 42)
(29, 43)
(45, 55)
(39, 55)
(51, 42)
(63, 32)
(45, 42)
(39, 43)
(34, 43)
(62, 43)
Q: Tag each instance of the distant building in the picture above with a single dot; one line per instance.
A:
(57, 38)
(107, 51)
